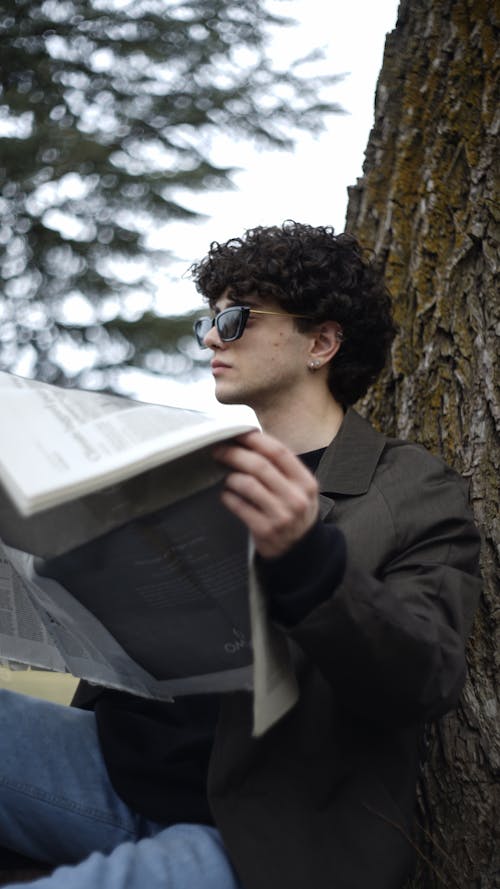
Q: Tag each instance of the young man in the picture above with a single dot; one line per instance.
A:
(367, 555)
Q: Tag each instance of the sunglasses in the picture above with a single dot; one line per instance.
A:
(230, 323)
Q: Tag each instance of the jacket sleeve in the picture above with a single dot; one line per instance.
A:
(391, 637)
(305, 576)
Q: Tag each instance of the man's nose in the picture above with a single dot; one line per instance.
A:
(212, 339)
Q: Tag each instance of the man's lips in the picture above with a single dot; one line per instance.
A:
(218, 366)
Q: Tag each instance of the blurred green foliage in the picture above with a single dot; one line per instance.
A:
(105, 109)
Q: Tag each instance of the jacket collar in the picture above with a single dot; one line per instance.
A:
(350, 461)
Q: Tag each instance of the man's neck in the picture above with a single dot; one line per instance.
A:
(305, 427)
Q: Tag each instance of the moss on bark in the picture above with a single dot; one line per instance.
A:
(428, 204)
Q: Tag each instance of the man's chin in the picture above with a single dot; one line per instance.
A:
(226, 397)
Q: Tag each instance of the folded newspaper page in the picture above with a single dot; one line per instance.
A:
(75, 464)
(24, 638)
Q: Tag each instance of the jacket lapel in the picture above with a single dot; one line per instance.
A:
(349, 463)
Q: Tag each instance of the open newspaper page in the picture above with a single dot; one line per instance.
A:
(170, 588)
(160, 607)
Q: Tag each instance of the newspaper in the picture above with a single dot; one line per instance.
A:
(146, 584)
(59, 444)
(75, 464)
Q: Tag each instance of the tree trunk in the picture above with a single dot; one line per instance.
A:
(428, 206)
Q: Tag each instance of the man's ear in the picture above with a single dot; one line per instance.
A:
(326, 340)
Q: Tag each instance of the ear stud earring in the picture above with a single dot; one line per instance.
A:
(313, 365)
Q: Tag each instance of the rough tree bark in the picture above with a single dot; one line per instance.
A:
(428, 205)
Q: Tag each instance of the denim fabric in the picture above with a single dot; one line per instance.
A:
(57, 805)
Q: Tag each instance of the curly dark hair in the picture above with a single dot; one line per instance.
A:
(312, 271)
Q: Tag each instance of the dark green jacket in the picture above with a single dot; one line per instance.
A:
(326, 799)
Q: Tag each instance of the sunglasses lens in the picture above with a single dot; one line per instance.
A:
(230, 324)
(201, 328)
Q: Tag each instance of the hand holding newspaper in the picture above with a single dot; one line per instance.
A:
(120, 564)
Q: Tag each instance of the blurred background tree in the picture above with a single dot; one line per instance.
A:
(106, 112)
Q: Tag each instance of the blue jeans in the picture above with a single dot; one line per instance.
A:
(57, 805)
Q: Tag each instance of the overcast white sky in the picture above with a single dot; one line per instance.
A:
(308, 185)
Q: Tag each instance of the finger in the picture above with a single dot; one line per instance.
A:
(272, 535)
(274, 450)
(253, 474)
(274, 465)
(292, 505)
(258, 521)
(270, 538)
